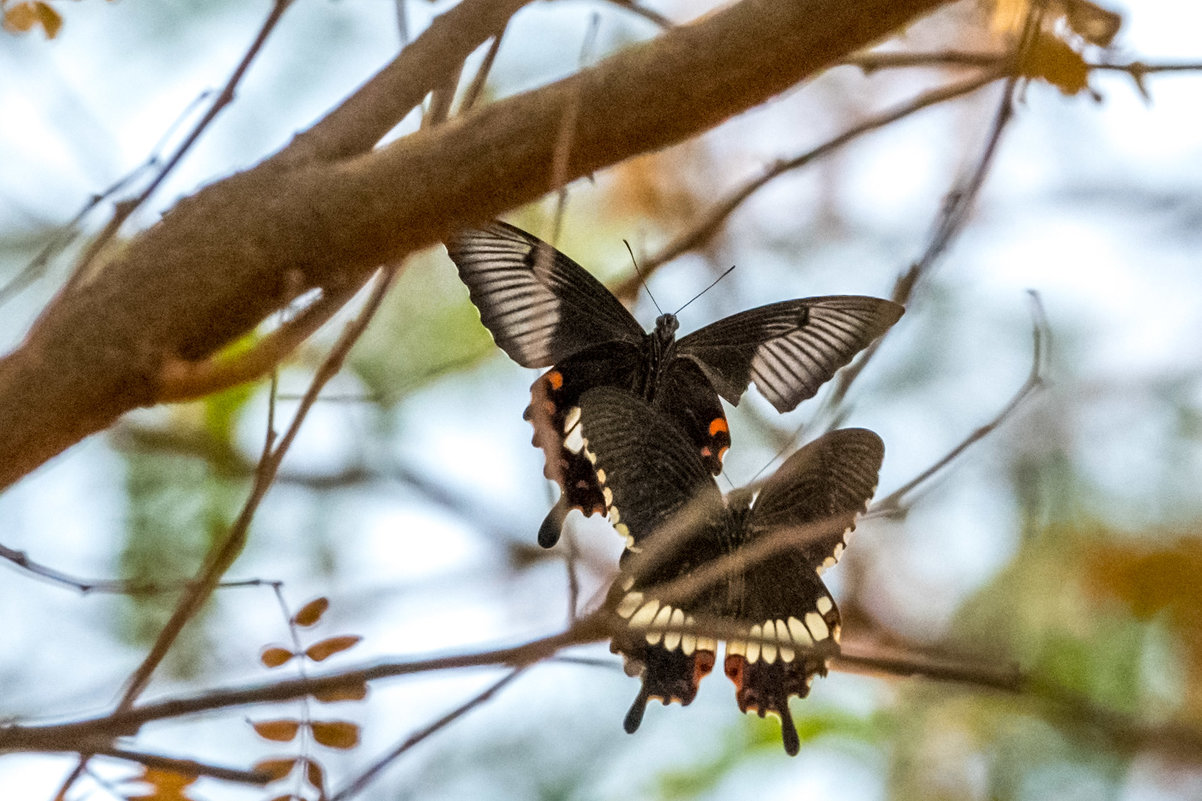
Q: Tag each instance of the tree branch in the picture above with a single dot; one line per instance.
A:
(238, 250)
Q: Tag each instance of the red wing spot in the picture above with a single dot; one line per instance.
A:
(702, 666)
(718, 424)
(706, 452)
(555, 379)
(735, 666)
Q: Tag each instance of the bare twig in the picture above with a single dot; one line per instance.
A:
(224, 556)
(366, 777)
(709, 224)
(644, 12)
(185, 767)
(85, 586)
(481, 77)
(952, 217)
(894, 503)
(127, 207)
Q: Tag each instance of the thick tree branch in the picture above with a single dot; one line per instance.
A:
(238, 250)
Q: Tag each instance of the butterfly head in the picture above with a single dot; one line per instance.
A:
(665, 327)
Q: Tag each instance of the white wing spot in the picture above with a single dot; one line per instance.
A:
(825, 604)
(600, 476)
(645, 615)
(798, 631)
(753, 643)
(656, 632)
(629, 603)
(768, 649)
(817, 626)
(571, 419)
(673, 637)
(606, 493)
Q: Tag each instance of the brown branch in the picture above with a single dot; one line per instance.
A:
(185, 767)
(228, 256)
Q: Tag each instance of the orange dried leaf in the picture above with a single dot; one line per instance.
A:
(311, 612)
(352, 692)
(1054, 61)
(166, 779)
(275, 768)
(336, 733)
(49, 19)
(279, 731)
(273, 656)
(321, 651)
(288, 797)
(20, 18)
(315, 775)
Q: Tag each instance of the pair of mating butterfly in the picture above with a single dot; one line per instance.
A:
(631, 424)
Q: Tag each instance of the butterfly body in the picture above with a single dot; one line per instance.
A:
(702, 568)
(544, 310)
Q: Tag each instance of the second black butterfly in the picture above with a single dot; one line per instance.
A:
(545, 310)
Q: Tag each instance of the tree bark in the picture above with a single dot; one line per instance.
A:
(223, 259)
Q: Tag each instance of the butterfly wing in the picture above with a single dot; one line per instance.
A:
(663, 500)
(539, 305)
(788, 349)
(807, 508)
(686, 396)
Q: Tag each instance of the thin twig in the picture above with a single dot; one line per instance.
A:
(893, 504)
(702, 231)
(127, 207)
(476, 87)
(184, 767)
(644, 12)
(86, 586)
(952, 216)
(366, 777)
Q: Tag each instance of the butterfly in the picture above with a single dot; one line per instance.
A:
(545, 310)
(744, 568)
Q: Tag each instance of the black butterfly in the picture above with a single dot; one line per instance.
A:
(544, 310)
(763, 551)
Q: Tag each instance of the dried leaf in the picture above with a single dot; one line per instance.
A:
(166, 779)
(50, 19)
(336, 733)
(273, 656)
(1052, 60)
(280, 731)
(321, 651)
(20, 18)
(275, 768)
(315, 775)
(311, 612)
(1091, 22)
(351, 692)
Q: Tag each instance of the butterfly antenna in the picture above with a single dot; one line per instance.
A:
(642, 280)
(707, 289)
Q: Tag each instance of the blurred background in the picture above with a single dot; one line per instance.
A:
(1065, 542)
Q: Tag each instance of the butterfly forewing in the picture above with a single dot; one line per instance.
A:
(539, 305)
(789, 349)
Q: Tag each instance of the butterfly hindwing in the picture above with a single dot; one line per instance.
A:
(539, 305)
(789, 349)
(815, 496)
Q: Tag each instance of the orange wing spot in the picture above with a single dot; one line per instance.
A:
(555, 379)
(706, 452)
(702, 666)
(722, 453)
(718, 424)
(734, 670)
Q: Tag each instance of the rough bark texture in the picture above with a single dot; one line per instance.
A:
(237, 250)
